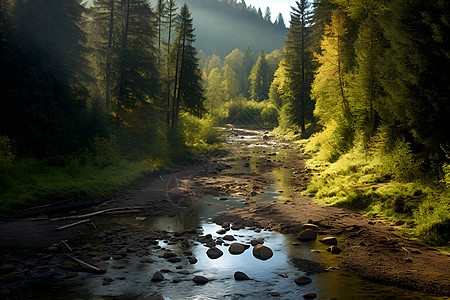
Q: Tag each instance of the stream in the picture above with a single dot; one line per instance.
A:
(129, 277)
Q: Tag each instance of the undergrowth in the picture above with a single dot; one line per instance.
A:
(97, 171)
(384, 183)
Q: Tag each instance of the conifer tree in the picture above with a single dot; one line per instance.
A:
(366, 90)
(260, 79)
(297, 64)
(268, 15)
(188, 91)
(330, 86)
(170, 22)
(248, 62)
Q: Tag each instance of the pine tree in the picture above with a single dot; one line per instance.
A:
(248, 62)
(297, 63)
(268, 15)
(280, 21)
(330, 86)
(138, 76)
(260, 79)
(366, 90)
(170, 22)
(188, 91)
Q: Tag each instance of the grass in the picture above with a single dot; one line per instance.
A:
(30, 182)
(386, 185)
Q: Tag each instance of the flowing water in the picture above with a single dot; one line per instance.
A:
(275, 275)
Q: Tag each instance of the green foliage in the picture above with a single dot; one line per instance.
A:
(260, 79)
(364, 179)
(252, 113)
(33, 182)
(201, 135)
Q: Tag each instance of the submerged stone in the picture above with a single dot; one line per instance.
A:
(262, 252)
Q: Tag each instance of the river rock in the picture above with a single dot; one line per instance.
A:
(192, 260)
(241, 276)
(334, 250)
(174, 259)
(169, 255)
(226, 225)
(228, 238)
(309, 296)
(307, 235)
(214, 253)
(301, 279)
(200, 280)
(184, 272)
(221, 231)
(257, 241)
(177, 280)
(262, 252)
(211, 244)
(157, 277)
(331, 241)
(147, 260)
(236, 248)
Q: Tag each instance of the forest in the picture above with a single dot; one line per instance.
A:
(95, 97)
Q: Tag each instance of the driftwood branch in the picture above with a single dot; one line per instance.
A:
(98, 213)
(73, 224)
(67, 246)
(91, 268)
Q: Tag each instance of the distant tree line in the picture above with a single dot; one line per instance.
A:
(223, 25)
(71, 73)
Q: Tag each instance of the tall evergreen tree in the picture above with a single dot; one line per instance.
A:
(260, 79)
(170, 22)
(188, 91)
(297, 63)
(268, 15)
(248, 62)
(330, 86)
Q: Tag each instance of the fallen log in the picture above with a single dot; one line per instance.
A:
(74, 217)
(73, 224)
(89, 267)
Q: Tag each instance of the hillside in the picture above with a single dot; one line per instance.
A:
(221, 27)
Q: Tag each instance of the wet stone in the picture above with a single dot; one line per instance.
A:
(174, 259)
(301, 280)
(262, 252)
(184, 272)
(257, 241)
(229, 238)
(177, 280)
(157, 277)
(192, 260)
(307, 235)
(214, 253)
(221, 231)
(240, 276)
(169, 255)
(236, 248)
(334, 250)
(331, 241)
(309, 296)
(200, 280)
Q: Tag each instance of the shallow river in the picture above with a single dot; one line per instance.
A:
(275, 275)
